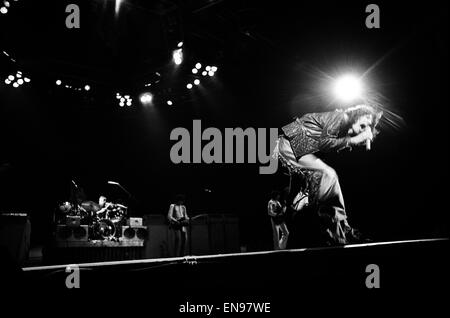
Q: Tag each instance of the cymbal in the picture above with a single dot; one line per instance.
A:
(121, 206)
(90, 206)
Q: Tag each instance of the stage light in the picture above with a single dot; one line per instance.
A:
(208, 68)
(198, 66)
(211, 73)
(189, 86)
(169, 102)
(20, 81)
(194, 71)
(7, 81)
(87, 87)
(121, 104)
(3, 10)
(146, 98)
(213, 68)
(117, 8)
(178, 56)
(58, 82)
(11, 77)
(197, 81)
(26, 79)
(180, 44)
(6, 3)
(129, 103)
(204, 73)
(15, 85)
(127, 96)
(348, 87)
(19, 75)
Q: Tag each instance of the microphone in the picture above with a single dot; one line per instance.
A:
(368, 142)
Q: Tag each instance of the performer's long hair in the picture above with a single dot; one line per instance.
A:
(360, 110)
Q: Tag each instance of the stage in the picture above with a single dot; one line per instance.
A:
(402, 264)
(376, 277)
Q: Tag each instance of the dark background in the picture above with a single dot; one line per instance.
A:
(271, 58)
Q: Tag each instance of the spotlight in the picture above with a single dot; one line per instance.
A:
(211, 73)
(58, 82)
(197, 81)
(127, 96)
(169, 102)
(7, 81)
(26, 79)
(198, 66)
(146, 98)
(208, 68)
(189, 86)
(19, 74)
(11, 77)
(180, 44)
(348, 88)
(178, 56)
(194, 71)
(3, 10)
(20, 81)
(129, 103)
(6, 3)
(15, 85)
(121, 104)
(87, 87)
(204, 73)
(213, 68)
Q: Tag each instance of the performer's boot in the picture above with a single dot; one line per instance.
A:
(354, 236)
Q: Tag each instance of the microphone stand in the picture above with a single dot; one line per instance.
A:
(130, 196)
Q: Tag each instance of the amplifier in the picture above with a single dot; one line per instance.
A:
(134, 222)
(73, 221)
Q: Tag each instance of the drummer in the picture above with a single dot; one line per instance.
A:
(103, 204)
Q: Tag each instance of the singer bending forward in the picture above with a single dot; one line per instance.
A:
(324, 132)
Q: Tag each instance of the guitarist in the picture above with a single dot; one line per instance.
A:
(277, 212)
(178, 222)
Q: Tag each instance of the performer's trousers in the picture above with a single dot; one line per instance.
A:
(329, 196)
(279, 243)
(180, 240)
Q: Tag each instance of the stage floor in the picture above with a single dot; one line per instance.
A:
(373, 275)
(200, 258)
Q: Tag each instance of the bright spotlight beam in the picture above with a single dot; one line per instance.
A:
(178, 56)
(146, 98)
(348, 88)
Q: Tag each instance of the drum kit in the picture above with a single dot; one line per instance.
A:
(104, 222)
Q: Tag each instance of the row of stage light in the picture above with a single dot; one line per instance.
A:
(5, 6)
(124, 99)
(17, 80)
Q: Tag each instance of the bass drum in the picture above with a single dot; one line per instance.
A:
(104, 228)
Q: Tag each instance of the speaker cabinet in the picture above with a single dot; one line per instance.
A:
(135, 233)
(72, 233)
